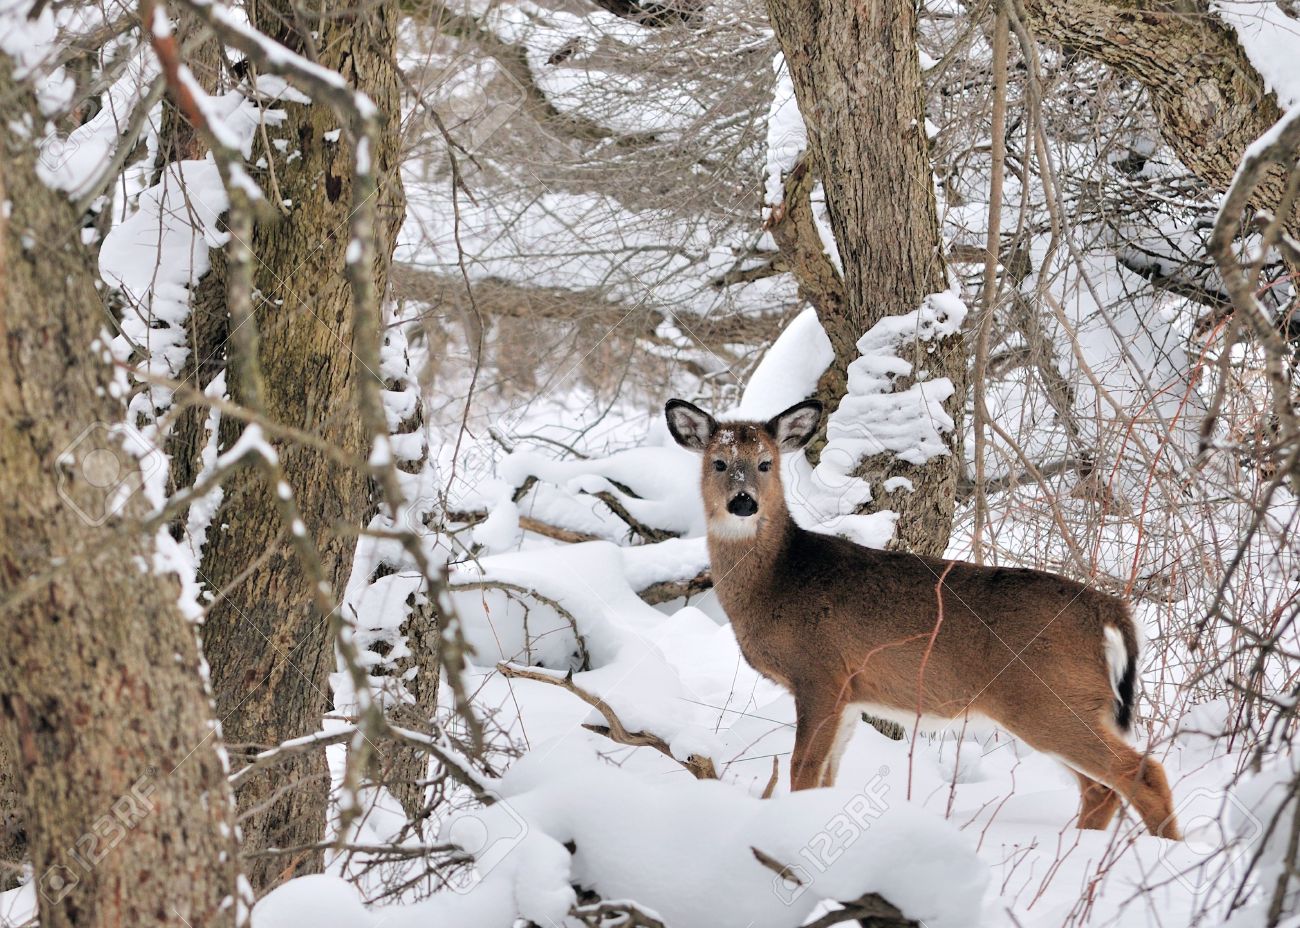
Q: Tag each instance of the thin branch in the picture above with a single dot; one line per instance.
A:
(702, 768)
(518, 590)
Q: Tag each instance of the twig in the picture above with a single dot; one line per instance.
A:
(518, 590)
(702, 768)
(920, 673)
(387, 851)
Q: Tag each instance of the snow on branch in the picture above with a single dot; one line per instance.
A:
(700, 766)
(198, 107)
(275, 58)
(786, 176)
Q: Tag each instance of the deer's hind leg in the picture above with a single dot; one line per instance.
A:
(1099, 803)
(817, 726)
(1100, 754)
(1141, 780)
(1077, 726)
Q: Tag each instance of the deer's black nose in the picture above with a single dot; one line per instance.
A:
(742, 504)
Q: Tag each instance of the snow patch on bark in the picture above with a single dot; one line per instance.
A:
(1270, 39)
(874, 418)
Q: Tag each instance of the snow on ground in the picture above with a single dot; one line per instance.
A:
(959, 827)
(975, 814)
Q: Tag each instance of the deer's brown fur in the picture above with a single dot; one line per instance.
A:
(847, 628)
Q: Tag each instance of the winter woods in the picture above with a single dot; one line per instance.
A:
(349, 574)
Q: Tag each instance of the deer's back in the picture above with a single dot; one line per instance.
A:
(870, 615)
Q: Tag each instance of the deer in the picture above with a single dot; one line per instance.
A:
(923, 641)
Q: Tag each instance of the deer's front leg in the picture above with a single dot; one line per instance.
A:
(849, 718)
(817, 723)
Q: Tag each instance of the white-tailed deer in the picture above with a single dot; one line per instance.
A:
(849, 629)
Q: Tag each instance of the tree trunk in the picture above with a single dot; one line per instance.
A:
(857, 80)
(104, 714)
(417, 668)
(271, 655)
(13, 835)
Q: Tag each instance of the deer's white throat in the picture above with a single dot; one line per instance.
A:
(733, 528)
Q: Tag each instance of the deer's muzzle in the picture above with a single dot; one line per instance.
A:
(742, 504)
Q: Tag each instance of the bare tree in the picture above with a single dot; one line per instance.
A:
(271, 655)
(857, 78)
(105, 717)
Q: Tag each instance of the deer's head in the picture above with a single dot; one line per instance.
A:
(740, 475)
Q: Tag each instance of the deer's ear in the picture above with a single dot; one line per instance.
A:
(795, 427)
(690, 425)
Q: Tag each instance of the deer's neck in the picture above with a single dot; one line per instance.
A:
(743, 560)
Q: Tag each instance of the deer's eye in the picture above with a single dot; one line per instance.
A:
(765, 466)
(719, 465)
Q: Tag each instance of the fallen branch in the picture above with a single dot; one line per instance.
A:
(528, 524)
(517, 590)
(647, 533)
(770, 789)
(662, 592)
(702, 768)
(668, 590)
(629, 915)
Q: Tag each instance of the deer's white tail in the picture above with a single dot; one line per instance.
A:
(1121, 659)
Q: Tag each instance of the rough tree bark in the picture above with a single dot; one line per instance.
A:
(857, 79)
(271, 656)
(105, 718)
(13, 837)
(177, 141)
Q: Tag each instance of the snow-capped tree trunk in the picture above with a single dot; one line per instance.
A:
(271, 655)
(857, 79)
(104, 714)
(1209, 99)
